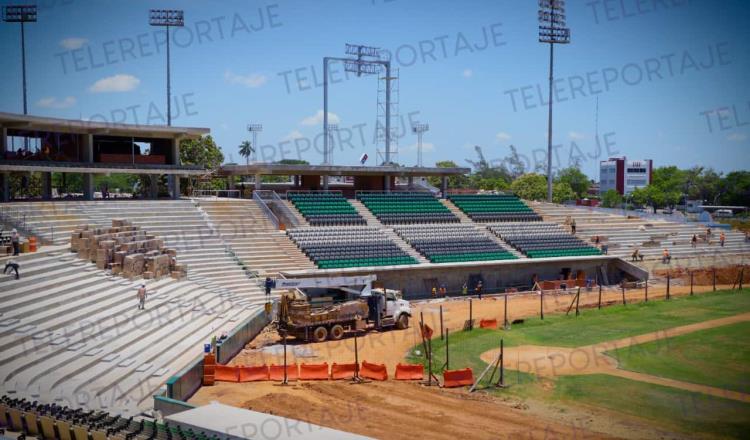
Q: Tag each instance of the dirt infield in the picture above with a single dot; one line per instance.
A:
(591, 359)
(383, 409)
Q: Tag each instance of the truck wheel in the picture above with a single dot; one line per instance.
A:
(403, 322)
(320, 334)
(336, 333)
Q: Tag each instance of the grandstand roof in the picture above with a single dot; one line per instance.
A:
(338, 170)
(43, 123)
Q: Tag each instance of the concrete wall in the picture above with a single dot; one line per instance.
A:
(168, 406)
(414, 281)
(241, 335)
(184, 384)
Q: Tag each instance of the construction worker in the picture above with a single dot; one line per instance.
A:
(634, 255)
(573, 226)
(270, 284)
(13, 266)
(478, 289)
(141, 295)
(722, 238)
(443, 291)
(465, 290)
(15, 241)
(666, 258)
(434, 292)
(694, 240)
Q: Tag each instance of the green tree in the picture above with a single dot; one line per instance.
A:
(562, 192)
(530, 186)
(736, 187)
(203, 152)
(453, 181)
(246, 150)
(611, 199)
(575, 178)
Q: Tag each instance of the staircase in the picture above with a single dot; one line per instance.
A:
(366, 214)
(456, 211)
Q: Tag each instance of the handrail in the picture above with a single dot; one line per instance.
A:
(257, 197)
(308, 191)
(272, 195)
(216, 192)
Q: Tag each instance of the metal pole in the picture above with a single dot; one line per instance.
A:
(646, 290)
(23, 66)
(742, 275)
(285, 367)
(505, 312)
(447, 356)
(668, 282)
(325, 111)
(549, 125)
(356, 356)
(387, 113)
(502, 363)
(255, 145)
(714, 279)
(169, 87)
(471, 314)
(691, 283)
(622, 286)
(441, 322)
(541, 304)
(578, 299)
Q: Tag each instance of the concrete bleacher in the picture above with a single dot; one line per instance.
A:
(622, 234)
(72, 334)
(51, 222)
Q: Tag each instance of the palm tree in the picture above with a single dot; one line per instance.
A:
(246, 149)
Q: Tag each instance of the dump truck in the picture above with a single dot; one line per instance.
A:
(326, 308)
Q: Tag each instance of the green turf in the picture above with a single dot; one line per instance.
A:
(667, 407)
(718, 357)
(618, 394)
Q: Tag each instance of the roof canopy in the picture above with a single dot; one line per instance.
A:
(337, 170)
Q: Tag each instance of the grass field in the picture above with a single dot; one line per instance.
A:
(719, 357)
(665, 407)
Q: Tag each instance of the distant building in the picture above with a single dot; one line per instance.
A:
(624, 176)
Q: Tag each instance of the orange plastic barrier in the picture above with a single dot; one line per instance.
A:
(342, 371)
(276, 372)
(458, 378)
(409, 372)
(488, 323)
(253, 374)
(313, 371)
(32, 244)
(226, 373)
(373, 371)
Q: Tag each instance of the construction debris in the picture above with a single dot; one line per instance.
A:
(126, 250)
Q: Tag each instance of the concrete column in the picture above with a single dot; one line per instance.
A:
(387, 183)
(88, 186)
(174, 186)
(3, 141)
(296, 181)
(411, 182)
(88, 156)
(175, 151)
(46, 186)
(5, 187)
(154, 187)
(258, 183)
(444, 186)
(325, 183)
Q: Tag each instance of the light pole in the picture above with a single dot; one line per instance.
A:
(331, 129)
(167, 18)
(21, 14)
(255, 129)
(419, 129)
(552, 30)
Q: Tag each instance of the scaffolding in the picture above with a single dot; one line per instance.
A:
(380, 122)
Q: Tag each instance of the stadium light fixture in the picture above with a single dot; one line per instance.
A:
(167, 18)
(419, 129)
(552, 30)
(255, 129)
(21, 14)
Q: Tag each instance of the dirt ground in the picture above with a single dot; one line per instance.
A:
(383, 409)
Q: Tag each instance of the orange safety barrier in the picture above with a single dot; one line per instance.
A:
(313, 371)
(276, 372)
(226, 373)
(458, 378)
(488, 323)
(409, 372)
(342, 371)
(373, 371)
(32, 244)
(253, 374)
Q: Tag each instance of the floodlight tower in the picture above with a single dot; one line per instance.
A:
(255, 129)
(419, 129)
(331, 128)
(552, 30)
(21, 14)
(167, 18)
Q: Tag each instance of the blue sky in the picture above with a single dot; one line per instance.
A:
(668, 75)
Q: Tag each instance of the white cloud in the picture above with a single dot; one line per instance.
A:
(427, 147)
(468, 73)
(502, 136)
(294, 134)
(73, 43)
(317, 119)
(737, 137)
(252, 81)
(52, 102)
(574, 135)
(116, 83)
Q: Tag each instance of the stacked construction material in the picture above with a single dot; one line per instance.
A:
(453, 243)
(407, 208)
(325, 209)
(126, 250)
(494, 207)
(542, 240)
(355, 246)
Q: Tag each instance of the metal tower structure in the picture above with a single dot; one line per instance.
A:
(21, 14)
(552, 30)
(332, 128)
(167, 18)
(386, 134)
(367, 62)
(255, 129)
(419, 129)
